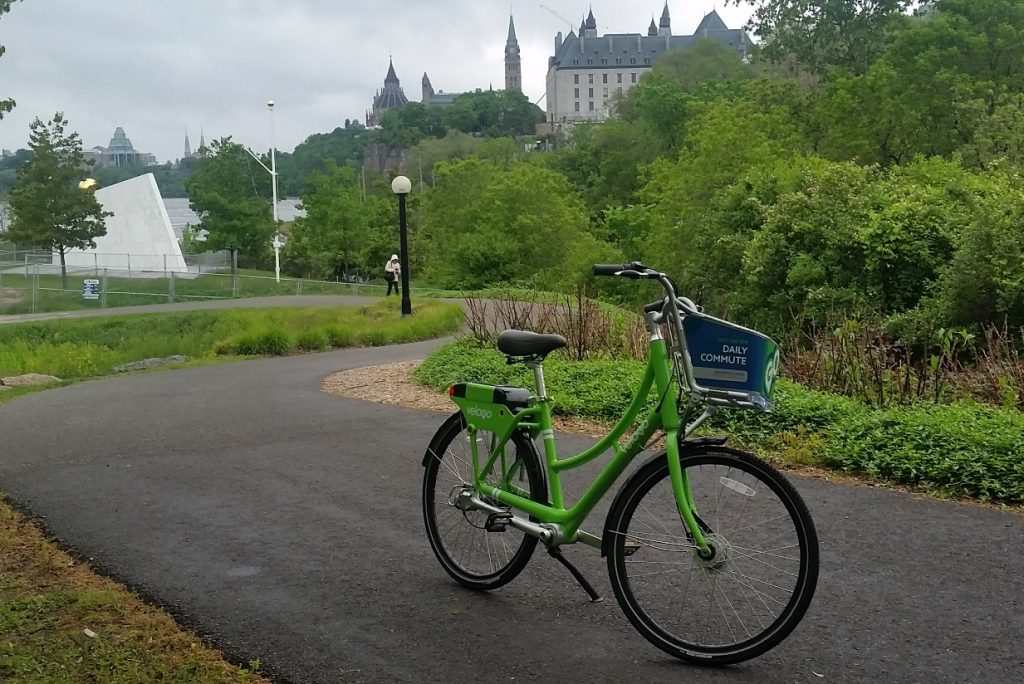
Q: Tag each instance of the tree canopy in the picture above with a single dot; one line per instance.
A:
(48, 209)
(231, 194)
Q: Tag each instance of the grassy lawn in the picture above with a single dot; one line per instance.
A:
(59, 621)
(78, 349)
(121, 291)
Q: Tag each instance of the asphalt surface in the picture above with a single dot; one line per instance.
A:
(284, 524)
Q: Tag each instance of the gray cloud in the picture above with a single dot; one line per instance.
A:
(156, 68)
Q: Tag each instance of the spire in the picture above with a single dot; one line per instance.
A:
(652, 30)
(188, 148)
(592, 23)
(583, 26)
(392, 77)
(511, 32)
(665, 20)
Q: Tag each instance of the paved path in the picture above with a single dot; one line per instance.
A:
(284, 523)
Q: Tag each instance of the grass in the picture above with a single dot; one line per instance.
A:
(78, 349)
(142, 291)
(47, 602)
(960, 450)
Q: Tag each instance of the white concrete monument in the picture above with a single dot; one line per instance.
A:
(139, 234)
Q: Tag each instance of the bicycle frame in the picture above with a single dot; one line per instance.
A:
(537, 419)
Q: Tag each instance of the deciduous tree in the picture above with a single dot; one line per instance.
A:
(48, 209)
(231, 194)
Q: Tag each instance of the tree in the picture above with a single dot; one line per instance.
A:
(5, 105)
(231, 195)
(342, 146)
(823, 34)
(335, 237)
(708, 60)
(48, 209)
(486, 223)
(494, 113)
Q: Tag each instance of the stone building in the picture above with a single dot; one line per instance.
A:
(587, 71)
(391, 96)
(120, 152)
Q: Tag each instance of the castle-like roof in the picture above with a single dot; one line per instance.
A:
(710, 22)
(392, 95)
(618, 50)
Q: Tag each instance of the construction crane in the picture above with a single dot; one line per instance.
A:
(572, 25)
(556, 15)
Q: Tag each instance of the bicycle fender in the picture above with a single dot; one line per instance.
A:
(686, 446)
(431, 448)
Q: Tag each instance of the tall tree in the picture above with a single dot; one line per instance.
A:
(339, 234)
(48, 209)
(5, 105)
(822, 34)
(231, 195)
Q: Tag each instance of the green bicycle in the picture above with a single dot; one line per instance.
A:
(712, 553)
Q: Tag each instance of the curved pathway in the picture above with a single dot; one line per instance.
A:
(284, 524)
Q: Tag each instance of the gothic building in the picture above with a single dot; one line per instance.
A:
(587, 71)
(391, 96)
(513, 66)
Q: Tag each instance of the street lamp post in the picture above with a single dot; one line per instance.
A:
(401, 186)
(273, 182)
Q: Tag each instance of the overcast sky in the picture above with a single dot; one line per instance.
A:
(159, 68)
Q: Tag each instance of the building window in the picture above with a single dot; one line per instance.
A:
(576, 79)
(604, 78)
(618, 60)
(591, 92)
(632, 78)
(632, 60)
(576, 93)
(591, 105)
(647, 60)
(618, 78)
(575, 61)
(590, 78)
(619, 89)
(604, 61)
(590, 61)
(606, 92)
(577, 106)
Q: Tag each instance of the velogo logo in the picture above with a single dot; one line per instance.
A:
(480, 412)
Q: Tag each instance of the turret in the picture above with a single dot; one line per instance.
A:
(665, 25)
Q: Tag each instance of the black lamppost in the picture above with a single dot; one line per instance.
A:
(401, 186)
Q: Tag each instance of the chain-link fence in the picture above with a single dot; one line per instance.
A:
(30, 283)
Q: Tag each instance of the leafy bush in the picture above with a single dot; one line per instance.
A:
(962, 449)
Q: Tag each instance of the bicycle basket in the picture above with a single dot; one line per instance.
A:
(729, 357)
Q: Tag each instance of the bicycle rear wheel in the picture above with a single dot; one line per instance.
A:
(754, 589)
(472, 555)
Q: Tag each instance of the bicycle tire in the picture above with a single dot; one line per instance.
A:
(472, 556)
(671, 557)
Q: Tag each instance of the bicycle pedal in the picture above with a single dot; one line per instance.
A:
(497, 522)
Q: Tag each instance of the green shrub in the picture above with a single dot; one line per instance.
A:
(270, 342)
(314, 339)
(962, 449)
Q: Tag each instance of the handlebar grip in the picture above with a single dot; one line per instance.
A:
(655, 306)
(608, 269)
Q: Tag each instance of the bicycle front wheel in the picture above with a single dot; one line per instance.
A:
(474, 556)
(748, 593)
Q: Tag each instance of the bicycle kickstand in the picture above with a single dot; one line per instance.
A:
(556, 553)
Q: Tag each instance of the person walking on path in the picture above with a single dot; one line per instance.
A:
(392, 271)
